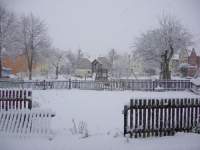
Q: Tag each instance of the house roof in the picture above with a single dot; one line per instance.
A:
(185, 52)
(192, 50)
(193, 53)
(104, 61)
(84, 63)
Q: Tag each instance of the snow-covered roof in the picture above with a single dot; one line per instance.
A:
(104, 61)
(84, 63)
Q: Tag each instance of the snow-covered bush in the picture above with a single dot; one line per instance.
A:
(183, 68)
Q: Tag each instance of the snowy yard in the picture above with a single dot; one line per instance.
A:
(102, 111)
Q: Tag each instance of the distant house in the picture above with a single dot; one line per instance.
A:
(183, 56)
(17, 64)
(100, 67)
(6, 72)
(174, 64)
(187, 58)
(194, 63)
(84, 68)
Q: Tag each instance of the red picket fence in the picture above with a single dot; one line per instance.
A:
(160, 117)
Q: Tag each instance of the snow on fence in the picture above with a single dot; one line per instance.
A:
(25, 122)
(17, 118)
(122, 84)
(160, 117)
(15, 93)
(15, 99)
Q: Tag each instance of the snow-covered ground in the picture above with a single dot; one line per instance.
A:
(102, 111)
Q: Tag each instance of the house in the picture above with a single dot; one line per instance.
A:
(183, 56)
(174, 64)
(194, 63)
(100, 68)
(6, 72)
(84, 68)
(17, 64)
(187, 58)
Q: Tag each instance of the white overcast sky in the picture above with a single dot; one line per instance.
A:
(96, 26)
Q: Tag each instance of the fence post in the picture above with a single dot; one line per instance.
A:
(70, 84)
(144, 117)
(44, 86)
(29, 104)
(173, 115)
(131, 118)
(169, 117)
(136, 118)
(161, 103)
(153, 85)
(125, 119)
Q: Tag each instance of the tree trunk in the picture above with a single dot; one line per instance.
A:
(30, 75)
(56, 72)
(168, 73)
(165, 73)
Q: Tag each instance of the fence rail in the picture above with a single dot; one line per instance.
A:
(160, 117)
(123, 84)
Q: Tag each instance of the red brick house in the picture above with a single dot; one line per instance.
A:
(188, 58)
(194, 63)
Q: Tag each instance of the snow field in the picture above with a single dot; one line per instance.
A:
(102, 111)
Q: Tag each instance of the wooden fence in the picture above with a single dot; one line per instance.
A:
(15, 99)
(160, 117)
(25, 122)
(17, 118)
(123, 84)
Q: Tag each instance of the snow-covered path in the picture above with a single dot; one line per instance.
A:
(102, 111)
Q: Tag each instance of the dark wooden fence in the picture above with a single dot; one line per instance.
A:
(160, 117)
(15, 99)
(123, 84)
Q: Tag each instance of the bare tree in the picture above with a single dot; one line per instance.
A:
(58, 60)
(79, 55)
(112, 57)
(120, 66)
(166, 40)
(7, 32)
(74, 58)
(33, 39)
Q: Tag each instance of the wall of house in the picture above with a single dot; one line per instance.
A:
(83, 73)
(16, 64)
(192, 59)
(183, 56)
